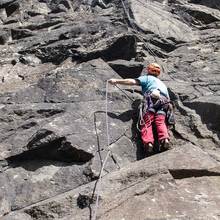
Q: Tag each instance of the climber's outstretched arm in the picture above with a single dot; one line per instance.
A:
(130, 82)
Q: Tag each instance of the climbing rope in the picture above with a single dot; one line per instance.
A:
(127, 96)
(99, 181)
(99, 186)
(106, 158)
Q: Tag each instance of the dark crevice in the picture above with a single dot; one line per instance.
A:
(123, 48)
(127, 71)
(5, 3)
(47, 24)
(49, 112)
(166, 46)
(185, 173)
(209, 3)
(202, 16)
(11, 8)
(29, 114)
(85, 201)
(45, 145)
(19, 33)
(28, 125)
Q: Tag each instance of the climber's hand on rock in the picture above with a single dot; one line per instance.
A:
(112, 81)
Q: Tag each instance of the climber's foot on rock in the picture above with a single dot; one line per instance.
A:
(165, 144)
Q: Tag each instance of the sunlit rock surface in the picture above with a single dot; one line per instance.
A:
(58, 114)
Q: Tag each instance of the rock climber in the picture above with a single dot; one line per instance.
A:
(156, 103)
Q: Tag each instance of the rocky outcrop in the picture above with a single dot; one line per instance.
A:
(175, 181)
(61, 122)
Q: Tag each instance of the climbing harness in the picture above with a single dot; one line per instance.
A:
(151, 104)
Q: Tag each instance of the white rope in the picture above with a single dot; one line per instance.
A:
(106, 114)
(99, 181)
(127, 96)
(99, 187)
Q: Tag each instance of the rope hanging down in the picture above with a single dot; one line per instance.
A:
(127, 96)
(99, 181)
(106, 158)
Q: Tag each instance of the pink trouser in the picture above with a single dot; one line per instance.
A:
(147, 131)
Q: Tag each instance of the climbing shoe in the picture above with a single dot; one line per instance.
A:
(164, 144)
(149, 147)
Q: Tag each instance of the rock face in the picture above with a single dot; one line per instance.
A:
(61, 122)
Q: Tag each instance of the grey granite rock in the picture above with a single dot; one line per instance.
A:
(57, 129)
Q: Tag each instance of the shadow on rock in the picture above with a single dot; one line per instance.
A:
(47, 146)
